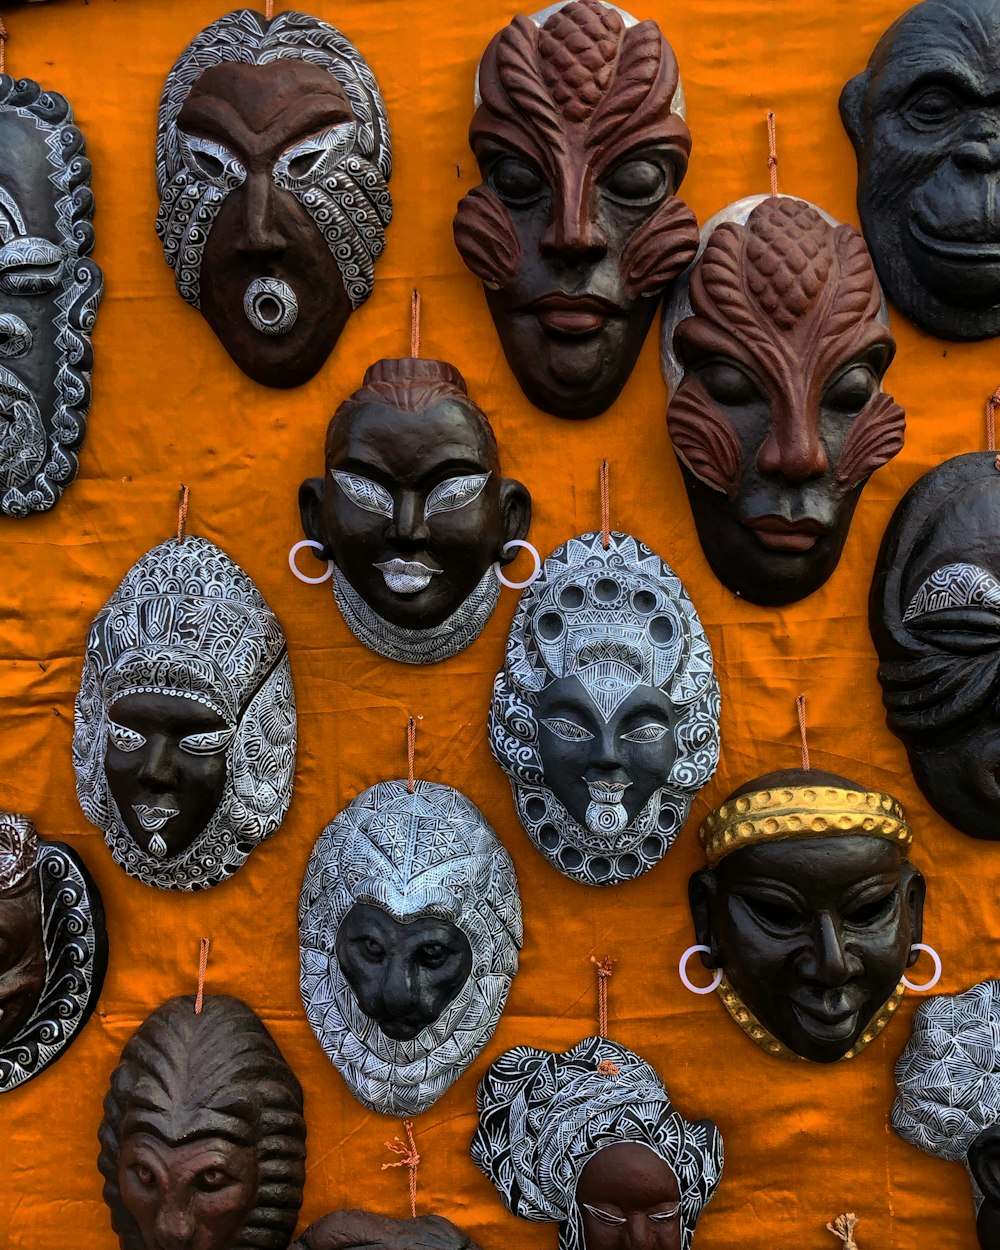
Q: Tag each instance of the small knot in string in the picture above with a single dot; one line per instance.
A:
(182, 512)
(3, 47)
(800, 708)
(605, 967)
(991, 423)
(202, 969)
(772, 152)
(411, 749)
(605, 505)
(607, 1067)
(415, 323)
(843, 1227)
(408, 1158)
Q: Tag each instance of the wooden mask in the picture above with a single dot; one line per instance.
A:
(364, 1230)
(580, 137)
(774, 346)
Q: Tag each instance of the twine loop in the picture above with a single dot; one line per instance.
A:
(843, 1227)
(605, 967)
(415, 324)
(202, 969)
(607, 1067)
(800, 708)
(183, 496)
(605, 505)
(4, 36)
(772, 152)
(409, 1158)
(269, 9)
(411, 750)
(991, 423)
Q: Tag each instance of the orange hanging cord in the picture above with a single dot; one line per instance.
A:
(408, 1158)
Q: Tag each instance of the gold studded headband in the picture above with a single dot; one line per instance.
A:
(786, 813)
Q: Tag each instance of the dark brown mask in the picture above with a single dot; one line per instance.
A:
(777, 416)
(576, 228)
(22, 955)
(364, 1230)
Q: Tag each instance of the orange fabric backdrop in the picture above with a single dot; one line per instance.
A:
(803, 1142)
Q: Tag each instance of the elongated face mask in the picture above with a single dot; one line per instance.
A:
(272, 159)
(774, 346)
(580, 136)
(922, 118)
(49, 293)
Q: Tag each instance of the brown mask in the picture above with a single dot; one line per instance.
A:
(364, 1230)
(576, 228)
(774, 350)
(22, 948)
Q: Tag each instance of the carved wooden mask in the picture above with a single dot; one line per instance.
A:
(576, 229)
(49, 293)
(774, 347)
(364, 1230)
(203, 1141)
(922, 118)
(272, 159)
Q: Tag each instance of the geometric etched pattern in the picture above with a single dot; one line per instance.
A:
(955, 586)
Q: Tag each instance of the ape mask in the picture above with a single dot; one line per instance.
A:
(184, 742)
(565, 1136)
(410, 927)
(53, 950)
(414, 511)
(924, 121)
(272, 158)
(810, 907)
(49, 293)
(774, 346)
(605, 715)
(580, 137)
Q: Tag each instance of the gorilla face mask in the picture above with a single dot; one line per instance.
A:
(924, 122)
(774, 346)
(934, 614)
(272, 160)
(581, 141)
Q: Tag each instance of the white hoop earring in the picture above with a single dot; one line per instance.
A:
(518, 542)
(929, 985)
(688, 984)
(310, 581)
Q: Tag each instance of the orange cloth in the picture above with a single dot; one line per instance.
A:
(803, 1142)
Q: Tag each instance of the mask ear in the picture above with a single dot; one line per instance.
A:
(914, 889)
(311, 511)
(984, 1163)
(701, 895)
(515, 514)
(851, 100)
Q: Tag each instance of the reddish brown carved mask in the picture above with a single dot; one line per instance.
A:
(774, 351)
(576, 228)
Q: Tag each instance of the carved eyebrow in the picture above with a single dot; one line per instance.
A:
(298, 118)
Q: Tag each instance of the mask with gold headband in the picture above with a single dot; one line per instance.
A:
(811, 909)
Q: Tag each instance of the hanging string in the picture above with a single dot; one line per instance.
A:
(800, 708)
(605, 967)
(411, 749)
(843, 1227)
(605, 505)
(269, 9)
(3, 47)
(991, 423)
(772, 152)
(182, 512)
(415, 323)
(408, 1158)
(202, 969)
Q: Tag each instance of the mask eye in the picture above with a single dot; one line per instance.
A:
(603, 1217)
(30, 266)
(212, 1179)
(373, 952)
(637, 182)
(455, 492)
(872, 912)
(363, 492)
(776, 916)
(568, 730)
(212, 161)
(933, 107)
(661, 1217)
(314, 159)
(142, 1174)
(207, 743)
(651, 732)
(515, 181)
(433, 954)
(727, 384)
(851, 391)
(124, 739)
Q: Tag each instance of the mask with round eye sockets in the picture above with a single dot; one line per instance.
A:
(414, 512)
(184, 742)
(272, 159)
(49, 293)
(410, 927)
(53, 950)
(811, 909)
(605, 715)
(591, 1140)
(774, 346)
(922, 120)
(203, 1141)
(576, 229)
(934, 614)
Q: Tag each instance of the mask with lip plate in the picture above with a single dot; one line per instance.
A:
(272, 159)
(810, 907)
(948, 1093)
(409, 931)
(576, 230)
(184, 739)
(363, 1230)
(590, 1139)
(49, 293)
(414, 511)
(934, 615)
(605, 715)
(53, 949)
(203, 1141)
(924, 119)
(774, 346)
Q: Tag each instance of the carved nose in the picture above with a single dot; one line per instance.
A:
(175, 1226)
(978, 148)
(158, 770)
(797, 459)
(260, 223)
(400, 991)
(831, 963)
(408, 524)
(573, 235)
